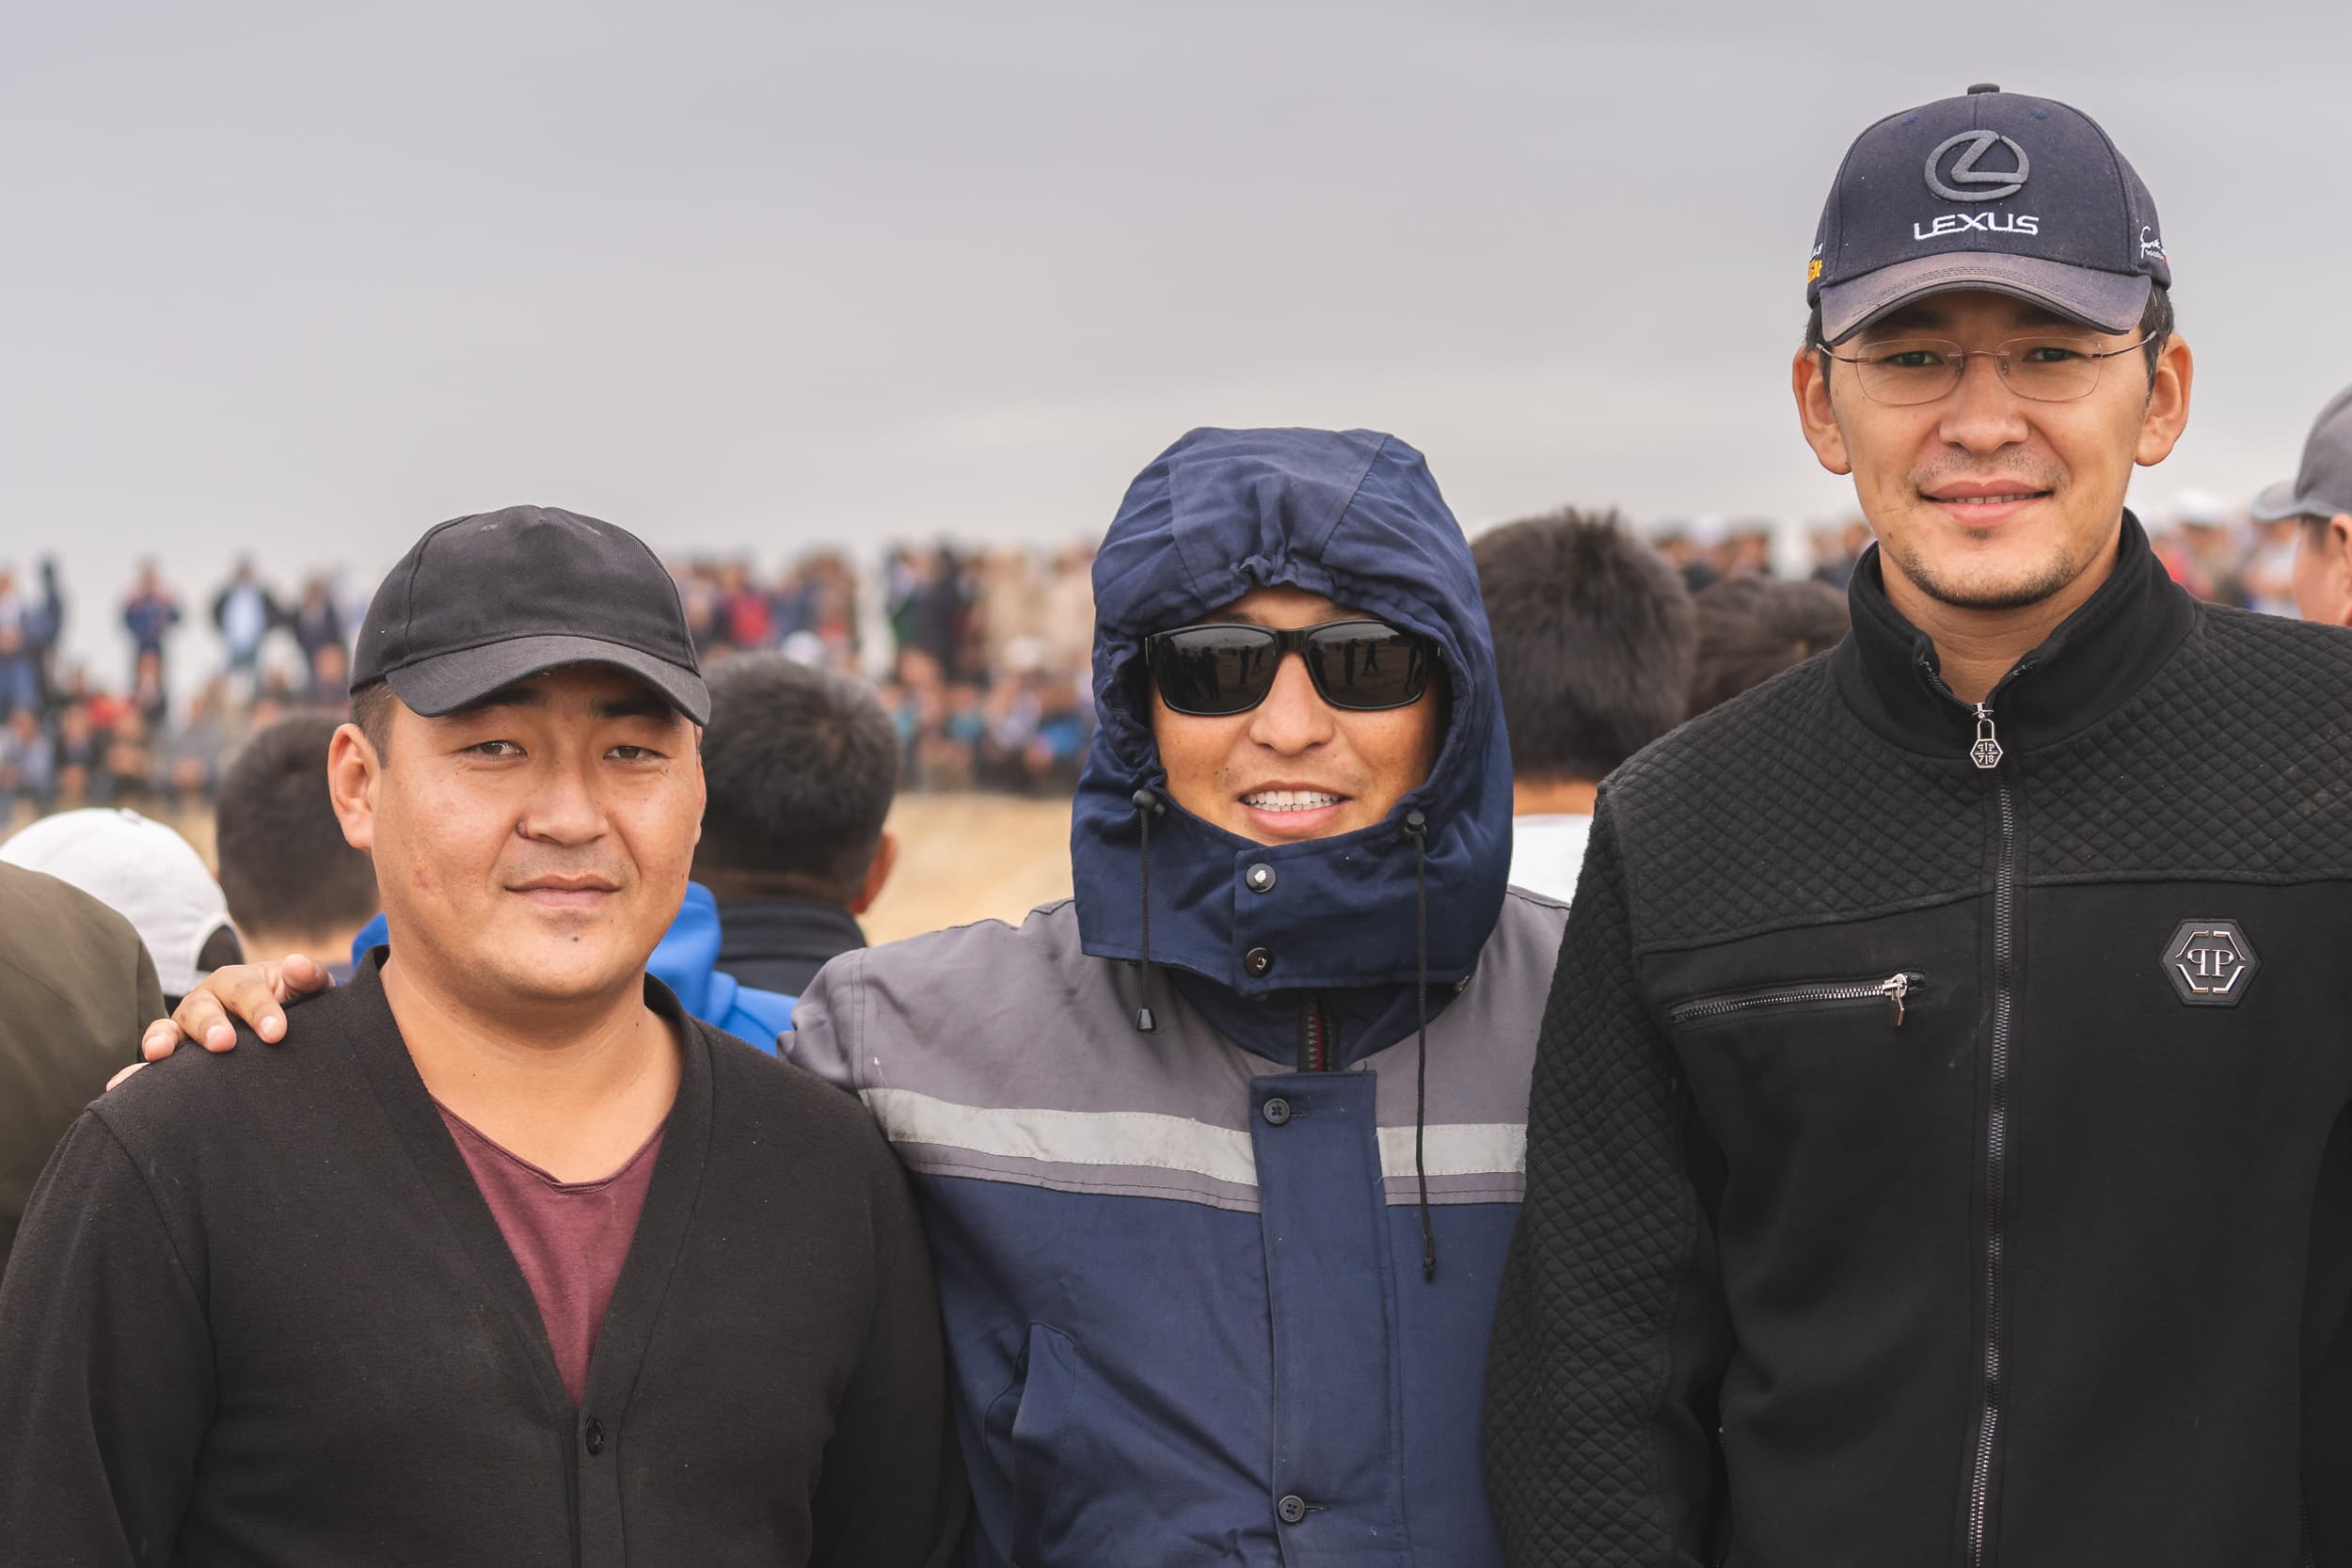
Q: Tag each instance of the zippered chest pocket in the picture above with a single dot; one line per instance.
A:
(1891, 993)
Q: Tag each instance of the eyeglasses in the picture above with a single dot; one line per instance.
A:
(1220, 669)
(2046, 368)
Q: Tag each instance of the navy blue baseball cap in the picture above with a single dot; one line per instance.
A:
(1992, 190)
(481, 602)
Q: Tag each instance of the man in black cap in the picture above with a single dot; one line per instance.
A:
(1938, 1150)
(513, 1262)
(2320, 498)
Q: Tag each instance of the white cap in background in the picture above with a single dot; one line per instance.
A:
(141, 870)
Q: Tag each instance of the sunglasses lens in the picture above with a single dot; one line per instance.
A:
(1366, 664)
(1213, 669)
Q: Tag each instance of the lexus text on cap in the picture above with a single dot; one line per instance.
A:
(2323, 486)
(479, 603)
(1990, 190)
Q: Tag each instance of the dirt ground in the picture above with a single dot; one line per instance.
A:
(971, 857)
(960, 858)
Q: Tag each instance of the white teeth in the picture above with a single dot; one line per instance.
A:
(1988, 501)
(1289, 799)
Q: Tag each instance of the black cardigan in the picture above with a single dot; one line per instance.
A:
(258, 1314)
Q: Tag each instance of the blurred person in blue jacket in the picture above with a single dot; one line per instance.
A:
(1220, 1159)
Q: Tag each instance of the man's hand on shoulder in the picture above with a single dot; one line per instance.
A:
(255, 995)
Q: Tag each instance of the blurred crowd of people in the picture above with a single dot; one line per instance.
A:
(980, 656)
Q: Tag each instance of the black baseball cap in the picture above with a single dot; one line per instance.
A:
(481, 602)
(2322, 487)
(1992, 190)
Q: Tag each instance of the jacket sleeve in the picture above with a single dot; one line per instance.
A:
(891, 1494)
(1611, 1333)
(105, 1368)
(824, 1020)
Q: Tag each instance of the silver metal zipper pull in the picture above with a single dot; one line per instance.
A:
(1986, 753)
(1895, 989)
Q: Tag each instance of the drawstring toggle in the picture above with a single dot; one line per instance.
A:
(1147, 806)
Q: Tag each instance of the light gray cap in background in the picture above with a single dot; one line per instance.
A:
(2323, 486)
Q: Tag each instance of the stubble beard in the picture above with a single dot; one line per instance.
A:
(2020, 588)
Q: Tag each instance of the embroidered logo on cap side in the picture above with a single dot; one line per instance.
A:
(2210, 962)
(1962, 180)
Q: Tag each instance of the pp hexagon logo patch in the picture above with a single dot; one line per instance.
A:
(2210, 962)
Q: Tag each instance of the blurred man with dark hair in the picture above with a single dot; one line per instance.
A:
(1752, 628)
(293, 883)
(1593, 650)
(801, 765)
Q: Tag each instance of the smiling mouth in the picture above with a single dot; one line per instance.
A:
(1291, 800)
(1989, 500)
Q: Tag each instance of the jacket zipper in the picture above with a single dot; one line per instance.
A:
(1314, 1034)
(1892, 990)
(1986, 755)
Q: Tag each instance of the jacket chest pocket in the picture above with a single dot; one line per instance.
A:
(1774, 1066)
(1889, 993)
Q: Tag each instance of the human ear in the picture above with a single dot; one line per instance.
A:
(2339, 558)
(352, 771)
(2167, 414)
(1809, 379)
(878, 873)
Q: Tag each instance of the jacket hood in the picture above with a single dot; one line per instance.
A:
(1354, 516)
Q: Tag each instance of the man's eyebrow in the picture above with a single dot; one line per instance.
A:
(643, 703)
(1912, 318)
(521, 694)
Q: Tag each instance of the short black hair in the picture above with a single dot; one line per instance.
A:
(372, 710)
(1752, 628)
(284, 864)
(1594, 642)
(799, 766)
(2156, 327)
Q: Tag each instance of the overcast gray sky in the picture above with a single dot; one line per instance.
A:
(306, 278)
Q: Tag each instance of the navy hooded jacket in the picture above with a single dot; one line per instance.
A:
(1182, 1280)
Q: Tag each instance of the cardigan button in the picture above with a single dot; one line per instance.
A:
(595, 1436)
(1292, 1508)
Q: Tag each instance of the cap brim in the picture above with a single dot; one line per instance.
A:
(2279, 501)
(2109, 301)
(447, 682)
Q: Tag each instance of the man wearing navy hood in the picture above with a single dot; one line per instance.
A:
(1217, 1222)
(1208, 1299)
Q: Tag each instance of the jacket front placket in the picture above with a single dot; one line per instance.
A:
(1337, 1489)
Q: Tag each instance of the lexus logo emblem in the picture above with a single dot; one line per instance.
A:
(1961, 180)
(2210, 962)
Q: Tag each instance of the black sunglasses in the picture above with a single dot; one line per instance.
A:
(1216, 670)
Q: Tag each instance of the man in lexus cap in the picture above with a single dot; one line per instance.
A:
(2320, 497)
(1938, 1150)
(504, 1258)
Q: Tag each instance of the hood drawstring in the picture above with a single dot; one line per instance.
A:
(1147, 806)
(1416, 828)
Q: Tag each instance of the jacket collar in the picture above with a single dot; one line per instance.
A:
(1889, 674)
(779, 928)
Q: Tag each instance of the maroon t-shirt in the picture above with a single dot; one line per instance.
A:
(569, 1238)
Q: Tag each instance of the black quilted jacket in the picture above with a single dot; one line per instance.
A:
(1940, 1158)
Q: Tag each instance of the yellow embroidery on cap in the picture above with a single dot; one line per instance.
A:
(1813, 271)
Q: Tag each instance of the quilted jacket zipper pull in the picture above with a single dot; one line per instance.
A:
(1895, 989)
(1986, 753)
